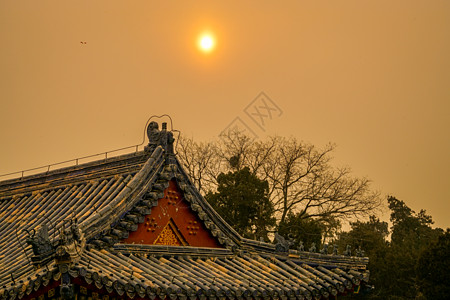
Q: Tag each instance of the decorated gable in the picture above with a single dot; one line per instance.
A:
(172, 222)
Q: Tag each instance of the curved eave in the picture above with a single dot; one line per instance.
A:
(95, 194)
(178, 273)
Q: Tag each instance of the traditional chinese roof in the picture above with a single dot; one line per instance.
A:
(135, 226)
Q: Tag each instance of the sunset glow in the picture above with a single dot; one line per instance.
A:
(206, 42)
(371, 77)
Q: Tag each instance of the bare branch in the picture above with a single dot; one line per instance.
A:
(300, 176)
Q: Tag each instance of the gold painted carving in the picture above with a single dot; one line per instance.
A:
(170, 236)
(51, 293)
(83, 290)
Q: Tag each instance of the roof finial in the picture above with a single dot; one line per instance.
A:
(158, 137)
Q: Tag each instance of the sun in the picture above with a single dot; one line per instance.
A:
(206, 42)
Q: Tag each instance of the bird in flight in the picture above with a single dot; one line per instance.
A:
(83, 43)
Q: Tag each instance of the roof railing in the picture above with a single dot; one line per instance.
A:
(75, 161)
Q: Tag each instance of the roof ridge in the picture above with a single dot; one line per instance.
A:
(127, 163)
(95, 223)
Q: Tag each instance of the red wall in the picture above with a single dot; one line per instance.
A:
(190, 229)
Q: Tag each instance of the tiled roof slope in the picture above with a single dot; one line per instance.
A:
(89, 209)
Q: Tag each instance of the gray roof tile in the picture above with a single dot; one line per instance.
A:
(108, 198)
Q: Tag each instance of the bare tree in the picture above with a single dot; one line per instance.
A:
(201, 161)
(304, 181)
(300, 176)
(246, 151)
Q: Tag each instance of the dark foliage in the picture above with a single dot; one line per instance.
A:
(393, 264)
(302, 229)
(411, 234)
(433, 269)
(242, 200)
(369, 237)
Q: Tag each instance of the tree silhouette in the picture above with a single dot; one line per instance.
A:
(242, 200)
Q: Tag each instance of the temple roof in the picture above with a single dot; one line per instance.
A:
(136, 225)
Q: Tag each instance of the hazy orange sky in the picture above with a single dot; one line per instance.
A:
(371, 76)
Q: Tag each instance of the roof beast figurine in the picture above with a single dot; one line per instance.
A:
(43, 250)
